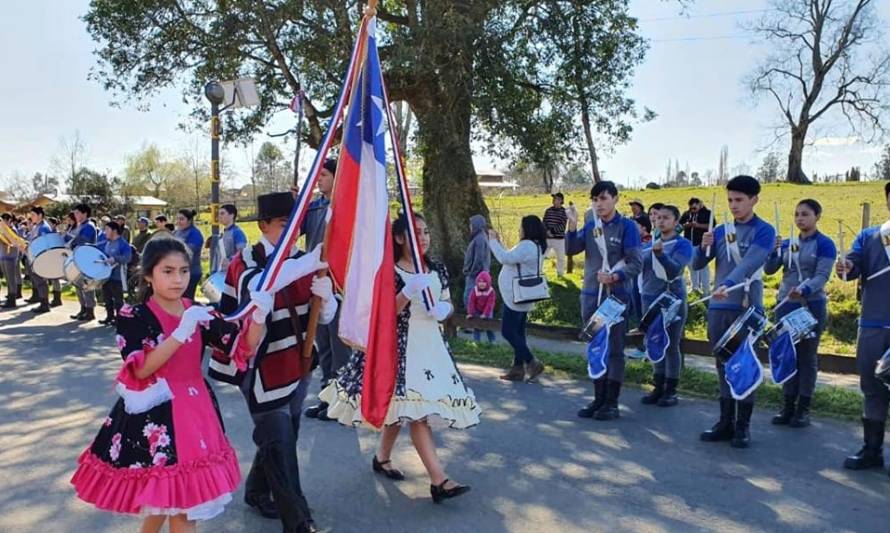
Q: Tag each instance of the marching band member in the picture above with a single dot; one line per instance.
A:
(233, 238)
(611, 243)
(807, 261)
(119, 255)
(276, 382)
(740, 248)
(869, 261)
(9, 264)
(39, 228)
(83, 233)
(191, 236)
(663, 271)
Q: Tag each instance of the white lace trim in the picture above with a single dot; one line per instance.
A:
(202, 511)
(140, 401)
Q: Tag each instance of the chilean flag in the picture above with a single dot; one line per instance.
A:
(359, 244)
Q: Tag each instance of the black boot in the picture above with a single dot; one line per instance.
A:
(57, 299)
(42, 308)
(609, 411)
(784, 416)
(314, 411)
(669, 398)
(872, 454)
(657, 392)
(33, 299)
(79, 314)
(88, 314)
(723, 429)
(599, 399)
(742, 436)
(109, 318)
(801, 418)
(9, 304)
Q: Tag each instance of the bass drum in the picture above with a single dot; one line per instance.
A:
(86, 268)
(47, 255)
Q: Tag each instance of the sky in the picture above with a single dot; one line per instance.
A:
(691, 77)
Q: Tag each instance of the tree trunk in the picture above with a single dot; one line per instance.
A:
(591, 147)
(795, 157)
(451, 192)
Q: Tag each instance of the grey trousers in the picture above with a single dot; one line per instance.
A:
(804, 382)
(332, 353)
(870, 347)
(41, 287)
(87, 299)
(615, 366)
(9, 267)
(671, 365)
(719, 320)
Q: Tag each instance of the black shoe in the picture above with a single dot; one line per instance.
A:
(723, 429)
(109, 321)
(741, 438)
(801, 418)
(610, 411)
(263, 505)
(88, 315)
(8, 304)
(323, 415)
(440, 493)
(392, 473)
(783, 417)
(34, 299)
(57, 300)
(656, 394)
(599, 399)
(79, 314)
(669, 398)
(871, 455)
(313, 411)
(42, 308)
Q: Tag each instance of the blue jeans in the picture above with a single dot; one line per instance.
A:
(513, 329)
(477, 335)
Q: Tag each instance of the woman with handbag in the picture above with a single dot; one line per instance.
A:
(521, 285)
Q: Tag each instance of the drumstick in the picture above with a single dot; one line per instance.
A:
(878, 273)
(730, 289)
(711, 222)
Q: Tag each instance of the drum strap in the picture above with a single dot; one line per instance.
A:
(599, 234)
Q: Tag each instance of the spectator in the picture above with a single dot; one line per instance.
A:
(125, 229)
(528, 257)
(142, 234)
(478, 255)
(555, 220)
(637, 208)
(695, 223)
(481, 304)
(191, 236)
(653, 211)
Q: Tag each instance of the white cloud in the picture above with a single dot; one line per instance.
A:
(836, 141)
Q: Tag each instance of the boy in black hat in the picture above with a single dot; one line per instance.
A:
(277, 379)
(555, 220)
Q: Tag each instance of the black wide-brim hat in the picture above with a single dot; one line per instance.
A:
(274, 205)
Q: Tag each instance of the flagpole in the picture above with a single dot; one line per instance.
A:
(360, 63)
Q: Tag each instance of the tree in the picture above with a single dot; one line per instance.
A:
(882, 166)
(854, 174)
(770, 168)
(97, 189)
(273, 172)
(71, 156)
(826, 56)
(458, 64)
(723, 166)
(145, 171)
(44, 183)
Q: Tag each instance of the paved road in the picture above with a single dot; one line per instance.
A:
(533, 465)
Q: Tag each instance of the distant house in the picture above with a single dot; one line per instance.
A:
(495, 179)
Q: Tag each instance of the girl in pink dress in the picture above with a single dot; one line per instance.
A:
(161, 451)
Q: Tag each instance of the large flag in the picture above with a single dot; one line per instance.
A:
(359, 244)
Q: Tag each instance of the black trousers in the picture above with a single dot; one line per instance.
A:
(113, 292)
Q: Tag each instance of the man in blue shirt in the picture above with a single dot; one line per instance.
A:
(867, 261)
(119, 255)
(84, 234)
(741, 249)
(230, 243)
(612, 259)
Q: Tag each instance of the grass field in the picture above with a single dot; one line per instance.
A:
(842, 203)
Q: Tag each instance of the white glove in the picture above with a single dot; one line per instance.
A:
(323, 288)
(263, 301)
(194, 315)
(441, 311)
(294, 269)
(415, 284)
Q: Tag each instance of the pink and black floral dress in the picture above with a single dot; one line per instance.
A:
(162, 449)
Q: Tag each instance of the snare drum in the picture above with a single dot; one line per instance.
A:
(751, 323)
(667, 305)
(610, 312)
(800, 323)
(86, 268)
(214, 286)
(47, 255)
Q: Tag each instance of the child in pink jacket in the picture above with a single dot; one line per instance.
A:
(481, 303)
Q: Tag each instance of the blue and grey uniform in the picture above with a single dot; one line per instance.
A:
(193, 239)
(83, 234)
(815, 258)
(40, 284)
(9, 265)
(113, 289)
(756, 240)
(233, 241)
(332, 353)
(675, 258)
(868, 257)
(623, 252)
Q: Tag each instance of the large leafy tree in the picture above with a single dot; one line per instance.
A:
(497, 68)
